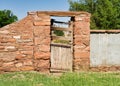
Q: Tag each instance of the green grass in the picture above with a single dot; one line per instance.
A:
(68, 79)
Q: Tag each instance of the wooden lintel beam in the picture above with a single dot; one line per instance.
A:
(62, 13)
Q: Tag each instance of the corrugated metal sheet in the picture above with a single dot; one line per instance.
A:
(105, 49)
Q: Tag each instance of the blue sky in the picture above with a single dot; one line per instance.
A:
(21, 7)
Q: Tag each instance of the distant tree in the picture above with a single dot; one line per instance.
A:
(59, 33)
(105, 13)
(82, 5)
(7, 17)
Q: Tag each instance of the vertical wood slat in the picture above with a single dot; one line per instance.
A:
(61, 59)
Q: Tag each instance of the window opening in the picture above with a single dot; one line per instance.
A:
(61, 30)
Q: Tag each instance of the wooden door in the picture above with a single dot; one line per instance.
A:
(61, 50)
(61, 58)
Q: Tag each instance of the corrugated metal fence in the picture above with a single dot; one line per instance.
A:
(105, 48)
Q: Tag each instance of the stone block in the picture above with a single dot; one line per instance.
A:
(44, 71)
(82, 25)
(87, 49)
(38, 40)
(83, 55)
(77, 41)
(38, 31)
(4, 32)
(79, 24)
(25, 44)
(77, 31)
(14, 69)
(20, 56)
(42, 40)
(24, 40)
(7, 56)
(2, 47)
(8, 64)
(26, 68)
(46, 41)
(81, 68)
(94, 69)
(30, 52)
(28, 62)
(85, 31)
(87, 19)
(113, 68)
(86, 42)
(77, 61)
(18, 65)
(42, 31)
(25, 47)
(42, 17)
(79, 18)
(83, 38)
(42, 23)
(6, 69)
(42, 55)
(81, 65)
(25, 37)
(17, 37)
(79, 48)
(42, 64)
(29, 56)
(1, 63)
(44, 48)
(9, 40)
(10, 48)
(32, 13)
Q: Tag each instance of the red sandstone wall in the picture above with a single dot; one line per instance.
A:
(25, 45)
(16, 46)
(41, 42)
(81, 42)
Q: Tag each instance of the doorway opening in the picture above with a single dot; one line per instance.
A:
(61, 44)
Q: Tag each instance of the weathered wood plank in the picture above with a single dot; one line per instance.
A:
(61, 22)
(62, 13)
(61, 59)
(61, 38)
(61, 28)
(61, 45)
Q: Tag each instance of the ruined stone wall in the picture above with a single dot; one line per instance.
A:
(16, 46)
(81, 42)
(41, 42)
(25, 45)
